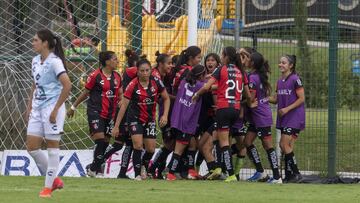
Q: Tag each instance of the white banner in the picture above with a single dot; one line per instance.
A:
(72, 163)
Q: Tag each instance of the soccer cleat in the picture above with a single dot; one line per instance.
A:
(258, 176)
(214, 174)
(57, 184)
(138, 178)
(223, 176)
(192, 174)
(231, 179)
(91, 173)
(296, 178)
(274, 181)
(170, 177)
(45, 193)
(123, 177)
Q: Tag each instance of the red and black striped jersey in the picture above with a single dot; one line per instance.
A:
(156, 73)
(142, 107)
(179, 76)
(230, 86)
(104, 93)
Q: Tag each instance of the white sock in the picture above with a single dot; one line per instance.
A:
(40, 160)
(53, 165)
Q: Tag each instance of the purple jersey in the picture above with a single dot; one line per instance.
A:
(185, 113)
(286, 95)
(260, 116)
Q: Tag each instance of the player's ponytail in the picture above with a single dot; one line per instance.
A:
(185, 55)
(59, 51)
(132, 57)
(54, 43)
(234, 58)
(262, 67)
(195, 74)
(292, 61)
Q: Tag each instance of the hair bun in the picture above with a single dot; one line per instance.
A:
(143, 56)
(129, 53)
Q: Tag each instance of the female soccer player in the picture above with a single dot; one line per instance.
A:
(260, 118)
(188, 58)
(141, 96)
(103, 88)
(129, 74)
(239, 129)
(184, 118)
(46, 107)
(207, 119)
(162, 70)
(230, 79)
(290, 98)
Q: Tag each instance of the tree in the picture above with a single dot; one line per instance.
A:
(303, 52)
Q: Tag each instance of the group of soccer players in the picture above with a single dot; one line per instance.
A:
(200, 109)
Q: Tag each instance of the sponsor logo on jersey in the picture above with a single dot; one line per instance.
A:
(284, 92)
(54, 127)
(109, 93)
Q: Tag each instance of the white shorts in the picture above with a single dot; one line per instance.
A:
(39, 123)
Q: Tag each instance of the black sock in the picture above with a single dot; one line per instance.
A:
(146, 159)
(174, 163)
(98, 155)
(234, 149)
(211, 165)
(115, 147)
(292, 162)
(137, 161)
(228, 160)
(273, 163)
(125, 159)
(106, 146)
(161, 168)
(288, 171)
(183, 166)
(199, 159)
(160, 159)
(191, 159)
(255, 158)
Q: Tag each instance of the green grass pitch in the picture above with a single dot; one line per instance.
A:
(26, 189)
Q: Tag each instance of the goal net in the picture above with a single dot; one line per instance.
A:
(87, 27)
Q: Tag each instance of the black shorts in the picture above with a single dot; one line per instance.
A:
(212, 128)
(98, 124)
(204, 125)
(236, 132)
(226, 117)
(181, 137)
(262, 132)
(148, 130)
(290, 131)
